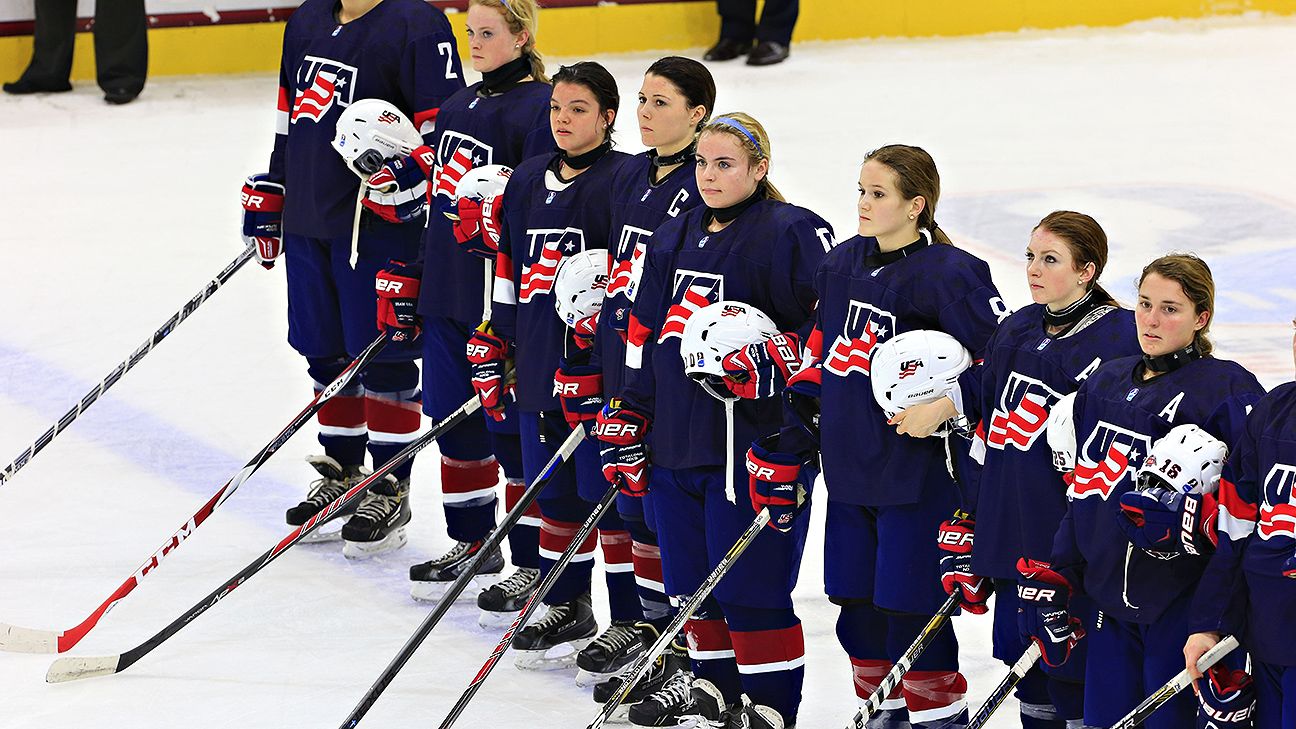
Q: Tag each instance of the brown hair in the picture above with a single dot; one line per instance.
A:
(916, 176)
(1087, 242)
(757, 145)
(1194, 277)
(520, 15)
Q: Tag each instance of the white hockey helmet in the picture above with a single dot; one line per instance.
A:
(580, 284)
(1061, 434)
(372, 131)
(483, 183)
(916, 367)
(715, 331)
(1187, 460)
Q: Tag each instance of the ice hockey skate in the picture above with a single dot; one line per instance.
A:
(335, 480)
(501, 602)
(378, 525)
(682, 701)
(746, 715)
(674, 658)
(552, 641)
(432, 579)
(614, 649)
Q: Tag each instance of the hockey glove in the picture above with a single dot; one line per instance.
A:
(489, 358)
(774, 481)
(263, 203)
(621, 432)
(578, 385)
(398, 293)
(1227, 700)
(584, 329)
(955, 542)
(492, 215)
(761, 369)
(1164, 521)
(1289, 567)
(398, 193)
(1042, 615)
(802, 397)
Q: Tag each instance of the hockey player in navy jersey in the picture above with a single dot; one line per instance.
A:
(334, 54)
(1120, 411)
(747, 244)
(889, 492)
(1038, 355)
(1248, 589)
(501, 120)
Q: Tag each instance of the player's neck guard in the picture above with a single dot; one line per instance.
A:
(882, 258)
(587, 160)
(670, 160)
(1169, 362)
(731, 213)
(1073, 313)
(505, 77)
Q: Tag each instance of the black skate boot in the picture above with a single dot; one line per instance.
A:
(674, 658)
(617, 647)
(501, 602)
(432, 579)
(378, 525)
(683, 701)
(552, 641)
(746, 715)
(335, 480)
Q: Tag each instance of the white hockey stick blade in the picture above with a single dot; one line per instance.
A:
(75, 668)
(16, 639)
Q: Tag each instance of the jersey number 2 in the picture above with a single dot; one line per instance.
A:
(447, 50)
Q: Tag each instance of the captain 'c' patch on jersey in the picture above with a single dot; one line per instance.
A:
(1278, 508)
(866, 326)
(1021, 413)
(1109, 454)
(546, 248)
(628, 268)
(692, 291)
(321, 84)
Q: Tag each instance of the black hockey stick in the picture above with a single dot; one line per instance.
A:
(1018, 671)
(111, 379)
(29, 640)
(686, 610)
(72, 668)
(532, 603)
(902, 666)
(1180, 682)
(492, 542)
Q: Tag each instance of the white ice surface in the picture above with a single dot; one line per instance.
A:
(1174, 135)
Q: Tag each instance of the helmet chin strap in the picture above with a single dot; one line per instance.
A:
(729, 451)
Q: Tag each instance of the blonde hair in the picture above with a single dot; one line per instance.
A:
(1194, 277)
(916, 176)
(520, 15)
(752, 139)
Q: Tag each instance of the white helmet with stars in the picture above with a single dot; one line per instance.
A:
(1061, 434)
(916, 367)
(1187, 460)
(580, 285)
(715, 331)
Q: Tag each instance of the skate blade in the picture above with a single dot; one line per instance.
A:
(369, 550)
(430, 591)
(589, 679)
(694, 721)
(326, 534)
(491, 620)
(557, 658)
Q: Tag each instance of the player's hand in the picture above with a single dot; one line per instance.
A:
(1043, 616)
(490, 357)
(1196, 647)
(584, 329)
(802, 397)
(398, 192)
(621, 432)
(398, 292)
(955, 540)
(492, 216)
(920, 421)
(1159, 519)
(774, 481)
(578, 385)
(263, 203)
(762, 369)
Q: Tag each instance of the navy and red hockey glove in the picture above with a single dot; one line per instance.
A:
(263, 203)
(398, 193)
(774, 481)
(1227, 700)
(1165, 521)
(584, 329)
(761, 369)
(1289, 567)
(802, 398)
(621, 432)
(492, 215)
(398, 293)
(489, 358)
(1042, 615)
(578, 385)
(955, 541)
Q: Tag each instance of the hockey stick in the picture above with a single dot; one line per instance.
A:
(690, 606)
(492, 542)
(111, 379)
(1175, 685)
(28, 640)
(72, 668)
(902, 666)
(1015, 674)
(591, 522)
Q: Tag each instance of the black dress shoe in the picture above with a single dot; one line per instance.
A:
(767, 53)
(25, 86)
(119, 96)
(727, 49)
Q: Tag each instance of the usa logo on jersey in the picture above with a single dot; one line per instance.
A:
(866, 326)
(1107, 457)
(1021, 414)
(321, 85)
(693, 290)
(456, 154)
(545, 251)
(1278, 509)
(627, 269)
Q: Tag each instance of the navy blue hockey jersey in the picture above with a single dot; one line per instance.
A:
(1022, 496)
(541, 226)
(491, 130)
(1117, 419)
(862, 303)
(766, 257)
(402, 51)
(1244, 591)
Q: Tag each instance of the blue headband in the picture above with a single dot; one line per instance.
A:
(506, 5)
(735, 124)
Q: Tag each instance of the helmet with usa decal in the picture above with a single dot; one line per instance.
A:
(580, 285)
(717, 330)
(1187, 460)
(916, 367)
(372, 131)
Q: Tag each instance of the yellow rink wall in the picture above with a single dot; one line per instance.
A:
(609, 28)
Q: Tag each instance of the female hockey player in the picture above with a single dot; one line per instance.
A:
(555, 206)
(334, 54)
(501, 120)
(888, 493)
(675, 100)
(1248, 590)
(1120, 412)
(747, 244)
